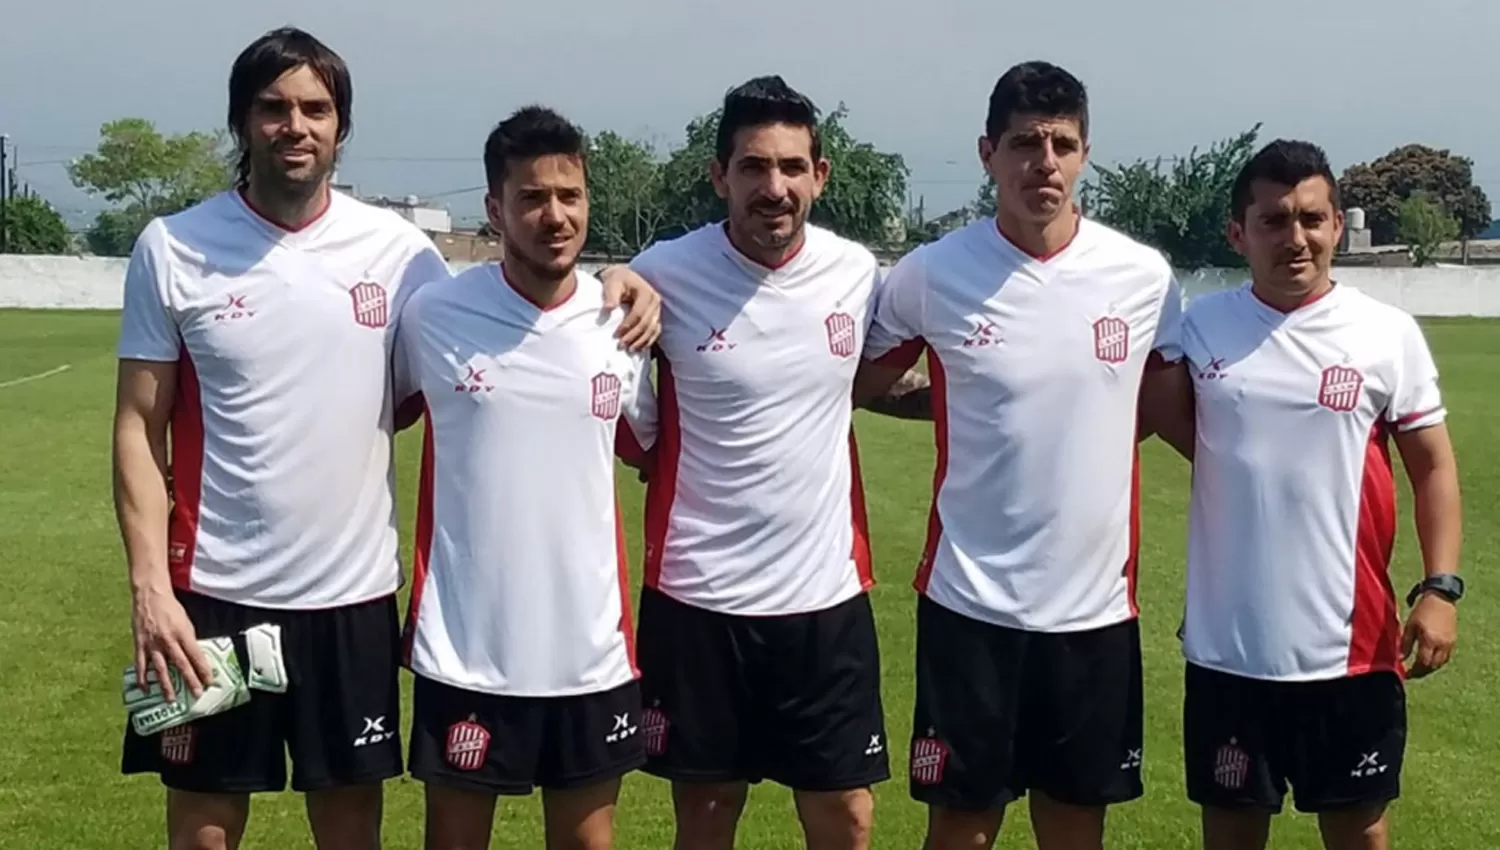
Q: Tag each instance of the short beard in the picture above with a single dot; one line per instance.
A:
(539, 272)
(272, 182)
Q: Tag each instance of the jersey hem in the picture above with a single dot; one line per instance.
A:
(994, 618)
(489, 690)
(835, 602)
(148, 356)
(194, 588)
(1346, 673)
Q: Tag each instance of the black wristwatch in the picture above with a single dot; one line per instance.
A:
(1446, 585)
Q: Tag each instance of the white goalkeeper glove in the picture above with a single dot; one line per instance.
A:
(229, 686)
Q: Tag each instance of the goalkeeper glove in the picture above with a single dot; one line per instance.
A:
(229, 687)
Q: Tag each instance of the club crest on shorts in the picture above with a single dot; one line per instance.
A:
(605, 390)
(369, 304)
(929, 759)
(1111, 339)
(1231, 766)
(840, 327)
(654, 722)
(1340, 388)
(178, 744)
(468, 745)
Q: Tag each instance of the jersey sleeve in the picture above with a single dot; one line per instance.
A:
(1166, 348)
(406, 389)
(424, 266)
(635, 434)
(895, 336)
(148, 328)
(1416, 402)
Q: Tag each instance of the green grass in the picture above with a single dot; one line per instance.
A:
(65, 636)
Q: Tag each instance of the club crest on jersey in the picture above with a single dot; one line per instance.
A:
(1111, 339)
(1231, 766)
(606, 395)
(929, 758)
(468, 745)
(369, 304)
(1340, 388)
(840, 327)
(177, 745)
(654, 722)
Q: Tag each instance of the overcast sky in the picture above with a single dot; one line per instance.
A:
(431, 77)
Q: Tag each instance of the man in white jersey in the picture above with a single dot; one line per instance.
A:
(257, 331)
(1294, 646)
(519, 630)
(1043, 333)
(757, 643)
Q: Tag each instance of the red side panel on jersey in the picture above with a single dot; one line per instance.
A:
(939, 381)
(903, 356)
(661, 490)
(627, 627)
(1133, 557)
(422, 546)
(187, 473)
(858, 516)
(1375, 640)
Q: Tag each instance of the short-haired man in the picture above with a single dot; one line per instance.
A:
(1291, 633)
(757, 641)
(257, 331)
(519, 631)
(1044, 335)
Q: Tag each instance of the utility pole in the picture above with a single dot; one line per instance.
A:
(4, 197)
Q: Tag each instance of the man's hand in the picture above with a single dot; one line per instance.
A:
(164, 636)
(642, 325)
(1432, 630)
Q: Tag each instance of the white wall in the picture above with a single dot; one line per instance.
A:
(94, 283)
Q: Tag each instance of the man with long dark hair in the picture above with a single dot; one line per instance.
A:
(257, 330)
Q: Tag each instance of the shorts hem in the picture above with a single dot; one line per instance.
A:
(373, 777)
(677, 774)
(443, 779)
(1093, 800)
(938, 800)
(815, 786)
(594, 777)
(1260, 807)
(1318, 807)
(211, 786)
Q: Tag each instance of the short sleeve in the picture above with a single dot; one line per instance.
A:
(895, 336)
(635, 434)
(1167, 346)
(405, 377)
(425, 265)
(148, 329)
(1416, 402)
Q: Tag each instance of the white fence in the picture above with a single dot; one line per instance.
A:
(84, 283)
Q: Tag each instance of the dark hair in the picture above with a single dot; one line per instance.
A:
(762, 101)
(1284, 162)
(531, 131)
(1036, 88)
(266, 59)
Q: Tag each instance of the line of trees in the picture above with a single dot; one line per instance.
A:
(1416, 195)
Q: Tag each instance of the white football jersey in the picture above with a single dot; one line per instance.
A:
(755, 506)
(520, 585)
(1294, 505)
(1036, 368)
(281, 431)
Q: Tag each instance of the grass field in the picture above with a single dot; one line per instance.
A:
(65, 636)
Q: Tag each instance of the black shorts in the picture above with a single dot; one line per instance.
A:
(1002, 711)
(1337, 743)
(512, 745)
(794, 699)
(339, 718)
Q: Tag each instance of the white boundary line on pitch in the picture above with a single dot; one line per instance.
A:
(37, 377)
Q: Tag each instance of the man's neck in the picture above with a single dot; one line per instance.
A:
(1289, 300)
(1039, 240)
(288, 210)
(771, 258)
(544, 291)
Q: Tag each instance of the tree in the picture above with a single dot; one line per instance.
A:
(984, 201)
(32, 226)
(626, 204)
(1182, 212)
(1423, 225)
(863, 200)
(1381, 185)
(148, 174)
